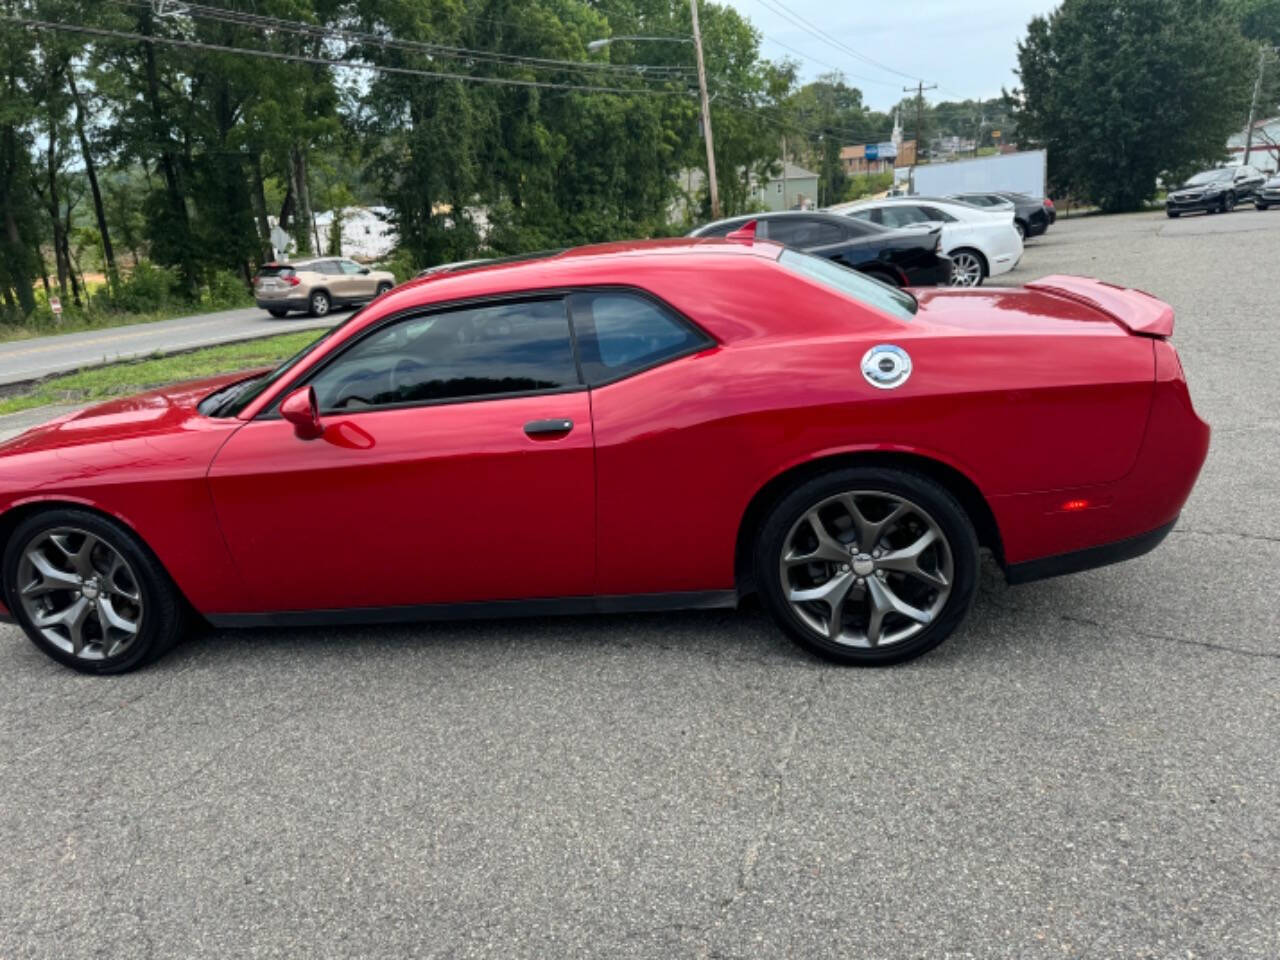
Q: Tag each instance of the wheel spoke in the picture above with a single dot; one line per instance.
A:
(833, 594)
(870, 531)
(80, 558)
(109, 617)
(829, 548)
(907, 560)
(72, 617)
(129, 592)
(51, 578)
(885, 601)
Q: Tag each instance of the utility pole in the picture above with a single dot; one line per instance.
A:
(920, 89)
(784, 173)
(1253, 104)
(706, 114)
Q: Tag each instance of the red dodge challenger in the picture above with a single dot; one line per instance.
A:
(638, 426)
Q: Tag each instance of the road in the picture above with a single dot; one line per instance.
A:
(1088, 769)
(23, 360)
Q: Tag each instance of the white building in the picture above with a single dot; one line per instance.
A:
(1265, 153)
(367, 232)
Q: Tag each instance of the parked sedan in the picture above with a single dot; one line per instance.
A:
(1268, 194)
(898, 257)
(980, 243)
(638, 426)
(317, 286)
(1214, 191)
(1030, 215)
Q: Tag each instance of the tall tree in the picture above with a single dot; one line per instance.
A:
(1123, 91)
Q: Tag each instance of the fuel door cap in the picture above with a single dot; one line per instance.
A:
(886, 366)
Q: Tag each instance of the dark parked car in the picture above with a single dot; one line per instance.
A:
(903, 258)
(1215, 191)
(1268, 194)
(1031, 216)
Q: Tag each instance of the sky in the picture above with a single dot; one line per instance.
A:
(967, 47)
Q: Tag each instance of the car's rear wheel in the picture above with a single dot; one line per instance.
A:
(1172, 214)
(277, 312)
(320, 304)
(88, 593)
(1228, 202)
(867, 566)
(382, 288)
(1021, 228)
(967, 268)
(1260, 205)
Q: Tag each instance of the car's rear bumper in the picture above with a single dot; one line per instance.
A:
(1044, 527)
(281, 303)
(1088, 558)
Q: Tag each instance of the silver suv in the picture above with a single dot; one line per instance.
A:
(317, 285)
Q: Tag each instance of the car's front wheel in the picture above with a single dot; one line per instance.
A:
(320, 304)
(382, 288)
(1228, 202)
(1259, 205)
(867, 566)
(967, 268)
(88, 593)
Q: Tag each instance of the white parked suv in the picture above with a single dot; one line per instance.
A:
(981, 242)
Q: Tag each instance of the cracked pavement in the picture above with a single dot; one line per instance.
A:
(1088, 769)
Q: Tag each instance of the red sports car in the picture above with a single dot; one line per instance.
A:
(639, 426)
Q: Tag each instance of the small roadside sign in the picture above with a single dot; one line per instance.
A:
(56, 306)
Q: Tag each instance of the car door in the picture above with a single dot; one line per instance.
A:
(456, 466)
(358, 280)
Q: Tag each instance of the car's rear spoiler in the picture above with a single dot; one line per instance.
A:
(1135, 310)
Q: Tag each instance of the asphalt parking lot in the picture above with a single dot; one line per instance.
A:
(1088, 769)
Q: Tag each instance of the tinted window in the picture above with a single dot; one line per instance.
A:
(275, 270)
(804, 232)
(619, 333)
(851, 283)
(901, 215)
(933, 213)
(863, 227)
(478, 352)
(349, 267)
(865, 215)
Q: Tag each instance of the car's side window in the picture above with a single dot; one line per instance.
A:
(901, 215)
(482, 351)
(620, 333)
(933, 213)
(349, 267)
(803, 231)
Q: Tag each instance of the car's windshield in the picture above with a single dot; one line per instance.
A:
(230, 401)
(851, 283)
(1209, 176)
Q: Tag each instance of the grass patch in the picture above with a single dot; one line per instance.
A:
(122, 379)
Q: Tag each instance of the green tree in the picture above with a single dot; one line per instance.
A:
(1121, 92)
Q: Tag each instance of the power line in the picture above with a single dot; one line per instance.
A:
(777, 7)
(330, 62)
(317, 31)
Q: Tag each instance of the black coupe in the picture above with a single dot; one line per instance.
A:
(903, 258)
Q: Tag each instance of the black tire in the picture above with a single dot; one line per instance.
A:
(382, 288)
(319, 304)
(1021, 228)
(165, 614)
(1259, 205)
(1171, 214)
(1228, 201)
(277, 312)
(946, 511)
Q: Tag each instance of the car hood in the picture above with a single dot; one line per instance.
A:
(1209, 187)
(163, 410)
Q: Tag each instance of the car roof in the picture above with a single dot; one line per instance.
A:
(770, 215)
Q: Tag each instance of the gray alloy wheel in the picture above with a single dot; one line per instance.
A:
(966, 269)
(866, 569)
(80, 593)
(1229, 202)
(320, 304)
